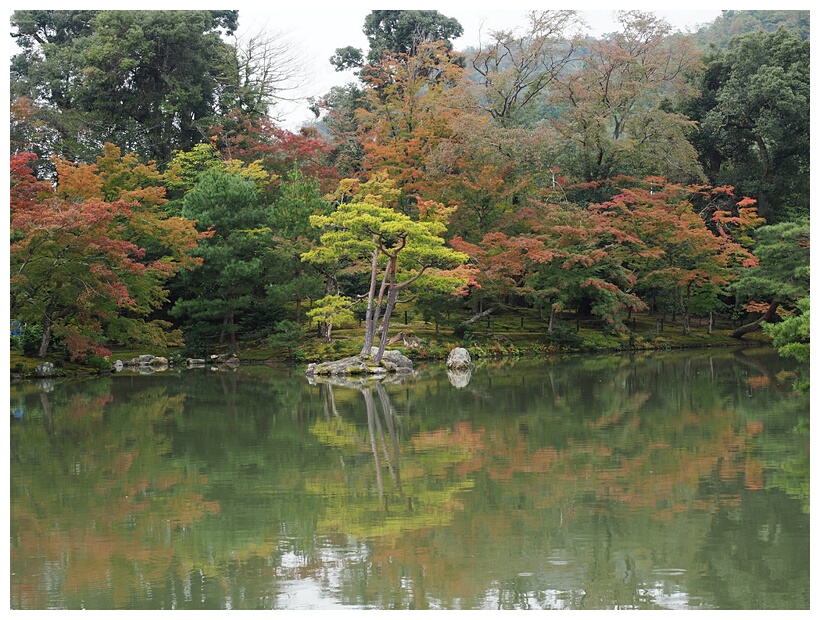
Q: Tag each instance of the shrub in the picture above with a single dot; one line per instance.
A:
(28, 343)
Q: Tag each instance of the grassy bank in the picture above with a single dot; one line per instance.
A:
(506, 334)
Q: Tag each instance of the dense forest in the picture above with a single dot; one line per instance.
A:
(156, 202)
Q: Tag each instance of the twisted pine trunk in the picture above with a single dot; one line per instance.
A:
(758, 324)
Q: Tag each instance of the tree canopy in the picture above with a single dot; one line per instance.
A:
(643, 171)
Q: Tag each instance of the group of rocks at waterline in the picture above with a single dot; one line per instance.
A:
(391, 362)
(458, 361)
(152, 363)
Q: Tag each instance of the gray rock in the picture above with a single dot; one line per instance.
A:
(459, 359)
(395, 357)
(145, 359)
(46, 369)
(117, 366)
(159, 362)
(195, 362)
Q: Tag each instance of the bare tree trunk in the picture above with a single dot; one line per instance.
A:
(480, 315)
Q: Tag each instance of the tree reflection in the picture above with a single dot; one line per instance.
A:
(602, 482)
(363, 502)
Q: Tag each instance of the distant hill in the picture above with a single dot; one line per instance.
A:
(732, 23)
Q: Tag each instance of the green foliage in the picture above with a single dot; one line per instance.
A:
(731, 24)
(145, 79)
(376, 238)
(28, 343)
(229, 285)
(286, 334)
(400, 31)
(347, 58)
(782, 273)
(332, 310)
(510, 152)
(754, 121)
(564, 336)
(791, 337)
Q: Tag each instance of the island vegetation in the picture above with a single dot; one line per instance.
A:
(546, 191)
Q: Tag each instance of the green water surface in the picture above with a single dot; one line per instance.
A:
(675, 480)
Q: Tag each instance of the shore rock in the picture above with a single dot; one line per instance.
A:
(45, 370)
(401, 361)
(459, 359)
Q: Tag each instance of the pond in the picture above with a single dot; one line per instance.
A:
(673, 480)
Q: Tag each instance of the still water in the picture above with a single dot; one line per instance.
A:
(677, 480)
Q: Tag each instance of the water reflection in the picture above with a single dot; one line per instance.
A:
(459, 378)
(666, 481)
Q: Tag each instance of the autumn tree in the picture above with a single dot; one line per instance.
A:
(613, 113)
(248, 139)
(77, 266)
(515, 68)
(406, 116)
(395, 250)
(668, 245)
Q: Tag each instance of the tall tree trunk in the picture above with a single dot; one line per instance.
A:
(684, 310)
(758, 324)
(232, 329)
(45, 341)
(369, 326)
(392, 297)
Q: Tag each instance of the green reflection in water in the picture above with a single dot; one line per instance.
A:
(674, 480)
